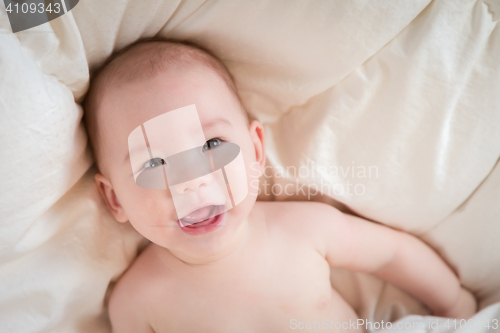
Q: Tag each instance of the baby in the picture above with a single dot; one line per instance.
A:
(229, 265)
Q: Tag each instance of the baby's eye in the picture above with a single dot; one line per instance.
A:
(212, 143)
(154, 162)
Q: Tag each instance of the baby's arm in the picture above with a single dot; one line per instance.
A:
(400, 258)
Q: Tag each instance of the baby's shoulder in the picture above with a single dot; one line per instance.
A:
(297, 211)
(136, 287)
(300, 219)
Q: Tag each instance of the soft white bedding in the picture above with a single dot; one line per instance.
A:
(408, 88)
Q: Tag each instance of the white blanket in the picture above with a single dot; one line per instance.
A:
(394, 101)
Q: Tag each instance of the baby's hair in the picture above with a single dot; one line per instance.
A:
(141, 60)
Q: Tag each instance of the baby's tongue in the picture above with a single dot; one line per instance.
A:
(198, 215)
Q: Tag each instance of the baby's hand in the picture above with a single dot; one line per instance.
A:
(464, 308)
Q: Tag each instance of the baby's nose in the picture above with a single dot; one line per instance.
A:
(194, 184)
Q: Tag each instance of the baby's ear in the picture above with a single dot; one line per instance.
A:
(108, 194)
(258, 139)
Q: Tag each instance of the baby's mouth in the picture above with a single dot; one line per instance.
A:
(200, 215)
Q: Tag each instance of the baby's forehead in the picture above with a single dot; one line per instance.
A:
(182, 86)
(176, 82)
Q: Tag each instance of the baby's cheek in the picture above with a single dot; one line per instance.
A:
(252, 178)
(152, 219)
(148, 206)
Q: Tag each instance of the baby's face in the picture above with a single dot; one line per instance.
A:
(180, 110)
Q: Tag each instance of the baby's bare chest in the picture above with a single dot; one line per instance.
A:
(274, 292)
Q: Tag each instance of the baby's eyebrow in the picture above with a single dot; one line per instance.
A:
(215, 122)
(209, 124)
